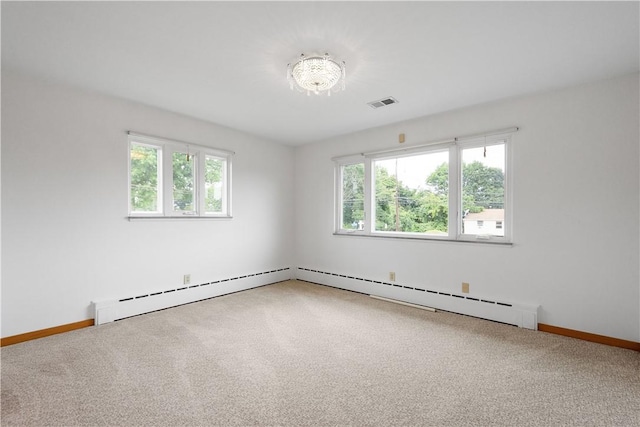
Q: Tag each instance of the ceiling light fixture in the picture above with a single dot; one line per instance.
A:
(317, 74)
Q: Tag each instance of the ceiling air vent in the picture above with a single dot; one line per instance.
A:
(382, 102)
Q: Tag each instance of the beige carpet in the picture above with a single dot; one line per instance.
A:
(295, 354)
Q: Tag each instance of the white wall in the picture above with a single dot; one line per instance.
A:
(65, 238)
(576, 209)
(66, 242)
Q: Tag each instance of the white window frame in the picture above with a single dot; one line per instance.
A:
(159, 172)
(433, 148)
(507, 222)
(340, 164)
(168, 181)
(455, 147)
(166, 149)
(226, 185)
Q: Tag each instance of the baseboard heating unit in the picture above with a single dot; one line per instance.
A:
(521, 315)
(133, 305)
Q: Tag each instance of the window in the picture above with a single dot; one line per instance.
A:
(456, 190)
(184, 182)
(145, 178)
(405, 201)
(215, 190)
(352, 202)
(174, 179)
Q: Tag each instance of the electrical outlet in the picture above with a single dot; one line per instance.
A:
(186, 279)
(465, 288)
(392, 276)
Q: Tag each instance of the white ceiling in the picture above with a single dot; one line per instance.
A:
(225, 62)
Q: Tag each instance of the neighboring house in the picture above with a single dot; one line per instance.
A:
(489, 221)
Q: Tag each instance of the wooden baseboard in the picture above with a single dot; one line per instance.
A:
(15, 339)
(586, 336)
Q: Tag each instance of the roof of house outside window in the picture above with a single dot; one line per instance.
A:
(486, 215)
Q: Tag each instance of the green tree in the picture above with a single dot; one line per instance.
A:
(386, 192)
(400, 208)
(482, 186)
(144, 178)
(352, 195)
(433, 212)
(439, 179)
(213, 169)
(183, 182)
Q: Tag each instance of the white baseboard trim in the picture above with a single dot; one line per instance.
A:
(127, 306)
(518, 314)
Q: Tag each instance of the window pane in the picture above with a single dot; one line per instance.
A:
(183, 182)
(483, 190)
(412, 193)
(214, 184)
(353, 197)
(145, 178)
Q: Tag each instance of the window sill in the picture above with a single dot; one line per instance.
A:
(187, 217)
(427, 239)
